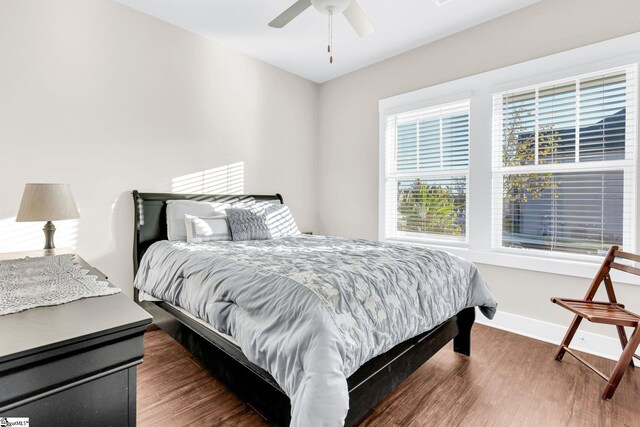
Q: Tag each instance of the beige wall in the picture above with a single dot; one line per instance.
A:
(348, 146)
(105, 98)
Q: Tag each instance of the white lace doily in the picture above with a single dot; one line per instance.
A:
(50, 280)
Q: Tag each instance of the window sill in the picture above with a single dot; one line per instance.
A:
(564, 267)
(439, 243)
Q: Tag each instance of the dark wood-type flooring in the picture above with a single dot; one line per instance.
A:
(509, 380)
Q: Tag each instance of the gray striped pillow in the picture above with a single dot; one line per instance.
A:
(207, 229)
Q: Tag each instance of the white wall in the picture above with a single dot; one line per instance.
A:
(348, 146)
(100, 96)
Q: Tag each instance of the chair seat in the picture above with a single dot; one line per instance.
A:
(600, 311)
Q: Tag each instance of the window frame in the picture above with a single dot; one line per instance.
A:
(626, 165)
(392, 217)
(479, 88)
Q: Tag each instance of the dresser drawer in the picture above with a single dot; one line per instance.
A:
(29, 378)
(106, 401)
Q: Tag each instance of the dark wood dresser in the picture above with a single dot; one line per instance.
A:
(72, 364)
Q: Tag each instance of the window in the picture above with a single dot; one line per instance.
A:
(541, 174)
(426, 173)
(564, 165)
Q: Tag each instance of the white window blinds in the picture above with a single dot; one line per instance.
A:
(426, 173)
(564, 165)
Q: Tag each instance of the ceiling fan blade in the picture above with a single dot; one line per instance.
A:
(358, 19)
(288, 15)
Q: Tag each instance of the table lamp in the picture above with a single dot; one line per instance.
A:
(47, 202)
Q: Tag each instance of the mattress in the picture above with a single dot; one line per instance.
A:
(206, 325)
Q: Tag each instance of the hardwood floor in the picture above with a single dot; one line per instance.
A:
(509, 380)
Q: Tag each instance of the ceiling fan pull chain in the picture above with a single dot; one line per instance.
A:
(330, 35)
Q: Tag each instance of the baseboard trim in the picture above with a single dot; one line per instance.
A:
(553, 333)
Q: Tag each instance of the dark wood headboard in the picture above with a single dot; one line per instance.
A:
(150, 215)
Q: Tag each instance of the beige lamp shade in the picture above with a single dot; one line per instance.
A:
(47, 202)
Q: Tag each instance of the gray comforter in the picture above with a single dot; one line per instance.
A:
(311, 310)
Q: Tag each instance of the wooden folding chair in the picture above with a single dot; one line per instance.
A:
(609, 312)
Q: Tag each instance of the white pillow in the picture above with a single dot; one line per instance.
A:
(177, 209)
(253, 206)
(280, 222)
(213, 229)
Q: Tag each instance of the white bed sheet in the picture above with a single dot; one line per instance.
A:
(142, 296)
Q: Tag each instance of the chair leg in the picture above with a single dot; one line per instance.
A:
(622, 364)
(568, 337)
(622, 334)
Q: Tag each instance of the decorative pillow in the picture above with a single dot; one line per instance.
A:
(177, 209)
(246, 224)
(280, 222)
(213, 229)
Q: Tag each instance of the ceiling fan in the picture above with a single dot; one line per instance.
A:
(349, 8)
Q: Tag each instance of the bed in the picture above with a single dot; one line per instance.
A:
(366, 383)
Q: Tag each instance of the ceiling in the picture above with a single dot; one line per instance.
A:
(301, 46)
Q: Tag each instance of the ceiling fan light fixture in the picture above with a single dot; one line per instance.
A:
(333, 7)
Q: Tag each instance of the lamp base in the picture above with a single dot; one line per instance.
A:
(49, 230)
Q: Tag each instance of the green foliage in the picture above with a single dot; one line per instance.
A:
(429, 208)
(520, 150)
